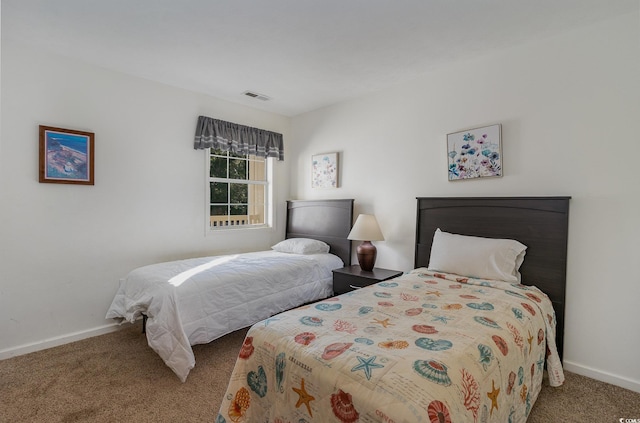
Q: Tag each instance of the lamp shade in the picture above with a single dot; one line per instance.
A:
(366, 228)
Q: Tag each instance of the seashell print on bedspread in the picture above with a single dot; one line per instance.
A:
(426, 347)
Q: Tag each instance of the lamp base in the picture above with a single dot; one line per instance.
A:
(366, 255)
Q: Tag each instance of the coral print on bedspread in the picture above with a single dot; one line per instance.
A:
(424, 347)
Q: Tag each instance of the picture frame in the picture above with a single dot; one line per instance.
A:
(324, 170)
(66, 156)
(475, 153)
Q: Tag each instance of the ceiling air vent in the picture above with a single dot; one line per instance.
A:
(256, 95)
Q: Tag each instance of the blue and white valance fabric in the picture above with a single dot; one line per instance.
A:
(239, 139)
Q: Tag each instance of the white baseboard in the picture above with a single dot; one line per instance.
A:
(60, 340)
(596, 374)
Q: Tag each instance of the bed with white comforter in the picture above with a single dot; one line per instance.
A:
(197, 300)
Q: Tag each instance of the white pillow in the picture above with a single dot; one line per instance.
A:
(301, 246)
(484, 258)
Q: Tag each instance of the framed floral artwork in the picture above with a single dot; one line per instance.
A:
(475, 153)
(324, 170)
(66, 156)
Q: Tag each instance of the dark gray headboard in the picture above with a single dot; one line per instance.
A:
(326, 220)
(540, 223)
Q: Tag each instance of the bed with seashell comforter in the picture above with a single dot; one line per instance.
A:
(428, 346)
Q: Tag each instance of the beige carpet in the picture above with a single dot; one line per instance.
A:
(117, 377)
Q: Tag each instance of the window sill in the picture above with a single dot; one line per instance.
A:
(227, 229)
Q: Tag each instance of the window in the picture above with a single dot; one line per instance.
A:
(238, 190)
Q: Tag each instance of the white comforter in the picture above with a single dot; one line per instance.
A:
(195, 301)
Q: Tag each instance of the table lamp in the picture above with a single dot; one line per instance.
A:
(366, 229)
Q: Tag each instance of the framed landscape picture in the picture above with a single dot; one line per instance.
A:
(66, 156)
(324, 170)
(475, 153)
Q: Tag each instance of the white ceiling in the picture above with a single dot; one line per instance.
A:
(304, 54)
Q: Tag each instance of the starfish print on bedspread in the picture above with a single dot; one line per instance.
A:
(303, 397)
(493, 396)
(384, 322)
(443, 319)
(366, 364)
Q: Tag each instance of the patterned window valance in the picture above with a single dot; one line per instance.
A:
(228, 136)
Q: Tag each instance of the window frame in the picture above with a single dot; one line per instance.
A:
(268, 202)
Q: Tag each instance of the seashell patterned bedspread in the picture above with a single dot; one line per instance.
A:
(424, 347)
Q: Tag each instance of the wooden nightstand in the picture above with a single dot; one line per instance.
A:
(353, 277)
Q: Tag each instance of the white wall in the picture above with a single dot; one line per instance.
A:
(569, 108)
(63, 248)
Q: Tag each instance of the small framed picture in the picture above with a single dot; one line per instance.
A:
(475, 153)
(324, 170)
(66, 156)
